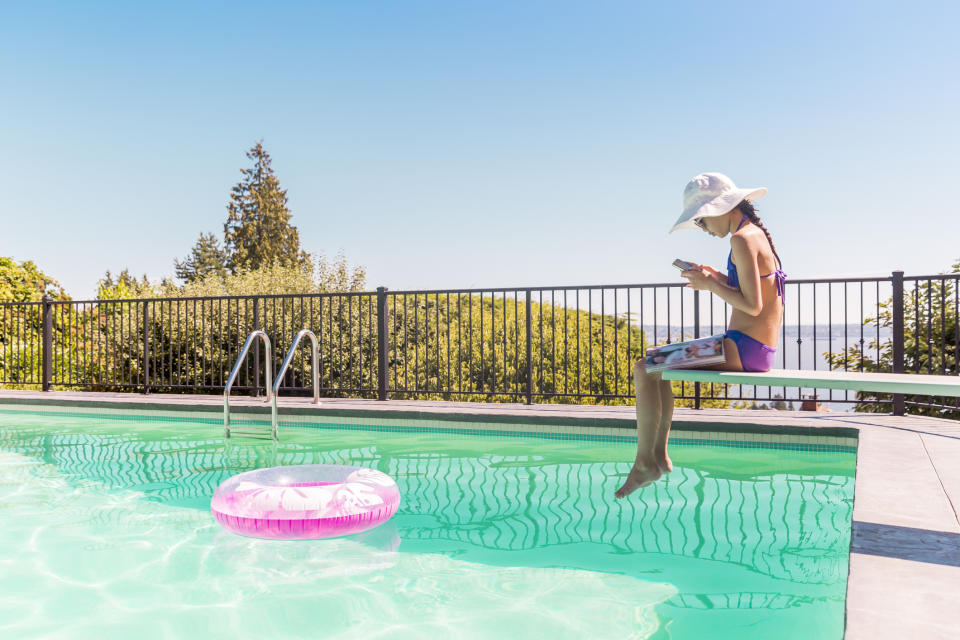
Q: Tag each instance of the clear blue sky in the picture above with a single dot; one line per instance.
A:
(449, 144)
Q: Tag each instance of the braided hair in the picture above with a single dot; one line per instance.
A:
(747, 209)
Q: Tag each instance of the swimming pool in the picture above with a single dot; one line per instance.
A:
(106, 530)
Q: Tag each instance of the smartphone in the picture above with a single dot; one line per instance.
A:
(683, 265)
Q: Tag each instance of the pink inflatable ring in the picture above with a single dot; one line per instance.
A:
(305, 501)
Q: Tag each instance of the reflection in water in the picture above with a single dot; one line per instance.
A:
(784, 526)
(732, 531)
(738, 600)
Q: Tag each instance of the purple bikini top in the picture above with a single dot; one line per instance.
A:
(733, 280)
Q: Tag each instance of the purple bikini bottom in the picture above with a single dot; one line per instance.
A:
(754, 355)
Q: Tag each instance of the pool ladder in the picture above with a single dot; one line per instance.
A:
(272, 389)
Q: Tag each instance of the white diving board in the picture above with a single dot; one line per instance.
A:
(906, 383)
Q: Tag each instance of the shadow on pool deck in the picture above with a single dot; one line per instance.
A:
(906, 543)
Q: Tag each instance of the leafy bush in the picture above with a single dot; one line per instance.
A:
(929, 344)
(196, 330)
(20, 324)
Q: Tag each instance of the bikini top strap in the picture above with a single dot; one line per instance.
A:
(778, 275)
(730, 255)
(781, 278)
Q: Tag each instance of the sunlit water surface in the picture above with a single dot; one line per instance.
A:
(105, 531)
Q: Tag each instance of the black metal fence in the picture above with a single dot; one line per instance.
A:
(527, 344)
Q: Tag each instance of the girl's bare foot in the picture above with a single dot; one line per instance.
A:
(641, 475)
(665, 464)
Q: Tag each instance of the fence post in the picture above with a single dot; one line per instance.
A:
(696, 334)
(897, 279)
(529, 349)
(46, 350)
(256, 350)
(146, 348)
(383, 355)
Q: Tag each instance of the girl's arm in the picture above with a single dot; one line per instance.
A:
(711, 272)
(721, 278)
(747, 297)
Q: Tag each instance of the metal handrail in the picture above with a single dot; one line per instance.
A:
(315, 353)
(236, 370)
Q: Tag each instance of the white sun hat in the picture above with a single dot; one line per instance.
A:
(711, 194)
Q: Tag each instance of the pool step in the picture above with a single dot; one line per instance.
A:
(248, 431)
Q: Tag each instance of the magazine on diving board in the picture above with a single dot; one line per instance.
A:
(689, 354)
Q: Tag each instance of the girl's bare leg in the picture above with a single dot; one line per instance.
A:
(663, 430)
(649, 413)
(654, 417)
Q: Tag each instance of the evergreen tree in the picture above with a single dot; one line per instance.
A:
(258, 232)
(123, 285)
(206, 257)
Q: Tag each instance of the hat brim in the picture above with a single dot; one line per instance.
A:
(722, 204)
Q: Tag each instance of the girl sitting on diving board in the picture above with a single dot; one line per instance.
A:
(753, 286)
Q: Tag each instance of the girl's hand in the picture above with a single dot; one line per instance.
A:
(713, 273)
(700, 279)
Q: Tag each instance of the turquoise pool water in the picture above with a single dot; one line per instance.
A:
(106, 532)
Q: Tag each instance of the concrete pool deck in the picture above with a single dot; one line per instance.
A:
(905, 545)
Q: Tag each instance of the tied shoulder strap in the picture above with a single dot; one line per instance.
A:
(781, 279)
